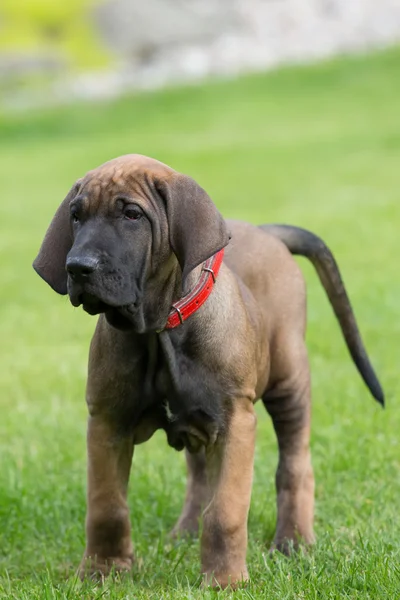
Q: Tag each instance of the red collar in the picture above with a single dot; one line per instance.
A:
(188, 305)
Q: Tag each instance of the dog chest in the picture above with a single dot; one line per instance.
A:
(182, 397)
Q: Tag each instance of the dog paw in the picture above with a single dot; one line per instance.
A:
(98, 568)
(185, 528)
(222, 581)
(288, 546)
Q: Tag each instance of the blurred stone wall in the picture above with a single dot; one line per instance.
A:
(149, 43)
(163, 40)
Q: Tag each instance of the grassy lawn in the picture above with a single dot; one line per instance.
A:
(317, 147)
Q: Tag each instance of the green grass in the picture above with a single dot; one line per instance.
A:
(317, 147)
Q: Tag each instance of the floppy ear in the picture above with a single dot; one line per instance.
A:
(196, 228)
(50, 262)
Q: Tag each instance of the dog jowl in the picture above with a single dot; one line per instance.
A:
(198, 318)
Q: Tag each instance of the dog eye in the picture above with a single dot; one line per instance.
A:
(133, 213)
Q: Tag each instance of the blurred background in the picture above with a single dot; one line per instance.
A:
(52, 51)
(284, 111)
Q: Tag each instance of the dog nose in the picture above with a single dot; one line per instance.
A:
(81, 267)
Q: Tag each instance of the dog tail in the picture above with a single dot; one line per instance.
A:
(304, 243)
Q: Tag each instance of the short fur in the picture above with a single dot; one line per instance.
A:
(127, 242)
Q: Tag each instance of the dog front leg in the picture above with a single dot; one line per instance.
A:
(230, 470)
(108, 530)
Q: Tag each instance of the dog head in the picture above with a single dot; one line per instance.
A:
(121, 233)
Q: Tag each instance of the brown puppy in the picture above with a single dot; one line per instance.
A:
(130, 240)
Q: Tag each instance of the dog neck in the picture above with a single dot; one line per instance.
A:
(198, 294)
(174, 302)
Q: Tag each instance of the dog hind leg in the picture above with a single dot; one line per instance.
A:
(289, 407)
(197, 495)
